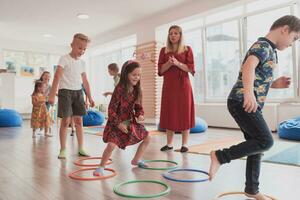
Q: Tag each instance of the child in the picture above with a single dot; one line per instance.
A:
(40, 117)
(125, 111)
(45, 78)
(113, 70)
(69, 73)
(247, 97)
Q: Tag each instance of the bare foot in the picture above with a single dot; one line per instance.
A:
(258, 196)
(48, 135)
(214, 165)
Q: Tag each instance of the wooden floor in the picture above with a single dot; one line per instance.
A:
(29, 169)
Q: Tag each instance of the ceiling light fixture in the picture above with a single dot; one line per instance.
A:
(82, 16)
(48, 35)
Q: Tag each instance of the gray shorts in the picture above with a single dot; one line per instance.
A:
(70, 102)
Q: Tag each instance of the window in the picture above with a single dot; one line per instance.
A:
(118, 52)
(222, 59)
(194, 40)
(285, 64)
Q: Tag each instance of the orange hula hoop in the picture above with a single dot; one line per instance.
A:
(94, 178)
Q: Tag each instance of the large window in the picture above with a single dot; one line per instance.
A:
(222, 58)
(220, 40)
(285, 65)
(114, 52)
(193, 39)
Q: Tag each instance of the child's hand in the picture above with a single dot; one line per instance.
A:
(92, 103)
(281, 82)
(250, 104)
(140, 118)
(51, 99)
(123, 127)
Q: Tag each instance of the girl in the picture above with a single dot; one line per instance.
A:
(124, 112)
(40, 117)
(177, 113)
(45, 78)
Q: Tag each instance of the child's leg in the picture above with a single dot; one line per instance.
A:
(107, 153)
(105, 157)
(252, 173)
(258, 139)
(33, 133)
(140, 151)
(79, 134)
(169, 146)
(46, 132)
(62, 136)
(72, 126)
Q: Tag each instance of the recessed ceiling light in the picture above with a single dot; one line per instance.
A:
(48, 35)
(82, 16)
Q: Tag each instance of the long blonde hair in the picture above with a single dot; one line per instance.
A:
(181, 47)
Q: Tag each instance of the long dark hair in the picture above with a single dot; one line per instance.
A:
(42, 76)
(37, 85)
(127, 68)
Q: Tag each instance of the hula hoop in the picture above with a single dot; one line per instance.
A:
(78, 162)
(160, 168)
(118, 192)
(234, 193)
(94, 178)
(167, 175)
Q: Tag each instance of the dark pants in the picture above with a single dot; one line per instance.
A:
(258, 139)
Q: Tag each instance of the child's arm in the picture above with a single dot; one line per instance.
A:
(114, 112)
(281, 82)
(57, 76)
(248, 76)
(87, 88)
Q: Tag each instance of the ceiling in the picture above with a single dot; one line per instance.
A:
(29, 20)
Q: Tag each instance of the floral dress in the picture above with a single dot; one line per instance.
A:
(40, 117)
(124, 108)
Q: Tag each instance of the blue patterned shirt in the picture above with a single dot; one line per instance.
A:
(265, 51)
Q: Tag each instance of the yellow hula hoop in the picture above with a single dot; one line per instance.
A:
(234, 193)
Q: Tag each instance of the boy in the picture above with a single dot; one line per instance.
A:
(68, 76)
(113, 70)
(247, 97)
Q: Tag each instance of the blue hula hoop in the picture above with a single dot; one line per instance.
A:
(167, 175)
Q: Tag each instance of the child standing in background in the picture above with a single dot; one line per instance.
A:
(113, 70)
(69, 76)
(247, 98)
(40, 117)
(45, 78)
(125, 111)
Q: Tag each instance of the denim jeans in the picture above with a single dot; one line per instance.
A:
(258, 139)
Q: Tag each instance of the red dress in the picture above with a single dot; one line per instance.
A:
(123, 108)
(177, 103)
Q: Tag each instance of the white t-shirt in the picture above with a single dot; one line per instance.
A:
(72, 70)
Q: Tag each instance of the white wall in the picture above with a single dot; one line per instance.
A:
(33, 47)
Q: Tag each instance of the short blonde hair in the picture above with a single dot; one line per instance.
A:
(81, 36)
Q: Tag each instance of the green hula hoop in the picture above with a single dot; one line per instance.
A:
(160, 168)
(165, 192)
